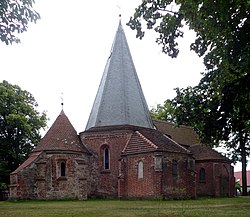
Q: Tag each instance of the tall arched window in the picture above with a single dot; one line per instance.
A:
(106, 158)
(140, 170)
(202, 175)
(63, 168)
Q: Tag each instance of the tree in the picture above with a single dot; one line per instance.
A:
(14, 18)
(164, 112)
(20, 123)
(219, 106)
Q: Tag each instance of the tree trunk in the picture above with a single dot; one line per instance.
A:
(244, 165)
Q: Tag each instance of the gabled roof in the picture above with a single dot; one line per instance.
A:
(120, 100)
(184, 135)
(61, 136)
(148, 140)
(139, 144)
(187, 137)
(163, 142)
(203, 152)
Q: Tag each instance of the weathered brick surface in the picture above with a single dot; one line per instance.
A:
(141, 187)
(182, 184)
(106, 180)
(121, 180)
(42, 179)
(219, 179)
(85, 175)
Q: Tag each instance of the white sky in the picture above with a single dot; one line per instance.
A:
(66, 51)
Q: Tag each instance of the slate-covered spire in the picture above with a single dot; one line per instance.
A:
(120, 100)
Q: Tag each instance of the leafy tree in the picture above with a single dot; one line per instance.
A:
(20, 123)
(164, 112)
(14, 18)
(219, 106)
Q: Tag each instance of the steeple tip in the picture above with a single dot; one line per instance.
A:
(62, 112)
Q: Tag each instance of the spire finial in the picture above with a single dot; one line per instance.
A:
(62, 100)
(120, 15)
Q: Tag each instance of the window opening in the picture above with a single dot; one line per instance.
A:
(106, 158)
(174, 167)
(63, 168)
(158, 163)
(140, 170)
(202, 175)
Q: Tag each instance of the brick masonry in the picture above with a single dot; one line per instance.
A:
(121, 180)
(42, 178)
(164, 174)
(219, 179)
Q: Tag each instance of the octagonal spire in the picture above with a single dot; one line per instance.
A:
(120, 100)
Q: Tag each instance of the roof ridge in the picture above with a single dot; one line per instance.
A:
(126, 145)
(177, 143)
(147, 140)
(172, 124)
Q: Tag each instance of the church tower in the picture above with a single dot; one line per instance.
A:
(120, 100)
(127, 152)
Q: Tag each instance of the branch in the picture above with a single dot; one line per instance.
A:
(169, 11)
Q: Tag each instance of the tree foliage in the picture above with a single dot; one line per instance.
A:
(219, 106)
(20, 123)
(14, 18)
(164, 112)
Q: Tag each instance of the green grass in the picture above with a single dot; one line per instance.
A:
(204, 207)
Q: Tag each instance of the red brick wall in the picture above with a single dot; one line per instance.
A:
(181, 185)
(159, 182)
(145, 187)
(219, 179)
(121, 180)
(106, 181)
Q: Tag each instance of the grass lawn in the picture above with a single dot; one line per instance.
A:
(238, 207)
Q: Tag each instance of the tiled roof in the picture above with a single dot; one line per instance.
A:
(61, 136)
(163, 142)
(143, 139)
(184, 135)
(139, 144)
(119, 99)
(203, 152)
(26, 163)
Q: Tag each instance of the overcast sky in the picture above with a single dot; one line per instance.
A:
(66, 52)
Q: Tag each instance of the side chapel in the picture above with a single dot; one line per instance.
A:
(122, 153)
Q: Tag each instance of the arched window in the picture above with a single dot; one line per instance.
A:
(140, 170)
(174, 168)
(63, 168)
(106, 158)
(202, 175)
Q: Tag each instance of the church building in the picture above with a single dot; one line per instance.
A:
(122, 153)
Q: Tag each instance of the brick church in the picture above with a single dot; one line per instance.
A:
(122, 153)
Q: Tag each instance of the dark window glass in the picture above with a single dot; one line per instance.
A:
(106, 159)
(174, 167)
(202, 175)
(63, 168)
